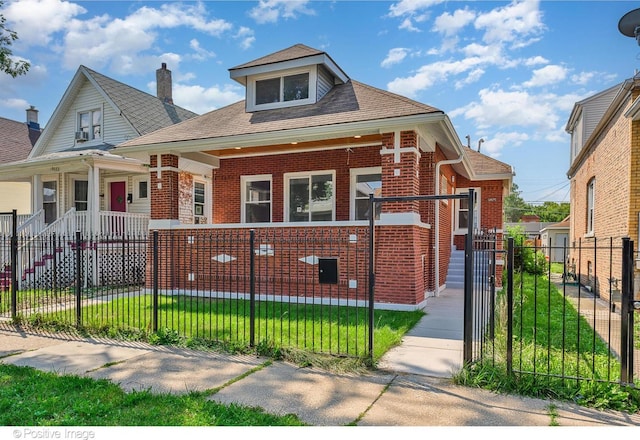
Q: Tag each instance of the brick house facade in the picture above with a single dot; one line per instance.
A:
(344, 141)
(605, 180)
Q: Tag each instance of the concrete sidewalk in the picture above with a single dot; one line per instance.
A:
(384, 398)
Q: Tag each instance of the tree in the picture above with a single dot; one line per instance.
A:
(515, 206)
(552, 212)
(7, 64)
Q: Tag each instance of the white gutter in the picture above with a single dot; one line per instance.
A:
(437, 217)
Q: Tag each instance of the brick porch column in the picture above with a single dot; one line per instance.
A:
(401, 239)
(164, 187)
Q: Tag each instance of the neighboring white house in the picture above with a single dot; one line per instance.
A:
(75, 178)
(555, 241)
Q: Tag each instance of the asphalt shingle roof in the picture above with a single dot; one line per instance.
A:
(16, 140)
(485, 165)
(145, 112)
(345, 103)
(291, 53)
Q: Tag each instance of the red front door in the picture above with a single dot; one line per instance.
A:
(118, 191)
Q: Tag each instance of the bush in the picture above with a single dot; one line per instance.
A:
(525, 257)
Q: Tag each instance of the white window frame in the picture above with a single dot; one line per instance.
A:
(309, 174)
(476, 212)
(591, 199)
(251, 89)
(136, 188)
(91, 126)
(56, 202)
(243, 196)
(354, 173)
(203, 203)
(73, 189)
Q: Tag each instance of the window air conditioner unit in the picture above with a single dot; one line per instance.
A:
(82, 136)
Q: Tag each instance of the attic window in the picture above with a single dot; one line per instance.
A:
(292, 88)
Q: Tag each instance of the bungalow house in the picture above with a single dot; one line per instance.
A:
(16, 141)
(604, 169)
(302, 152)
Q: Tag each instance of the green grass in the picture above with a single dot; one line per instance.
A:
(305, 332)
(552, 344)
(29, 397)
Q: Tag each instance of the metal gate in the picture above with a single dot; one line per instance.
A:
(473, 329)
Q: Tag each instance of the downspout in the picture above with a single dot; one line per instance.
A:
(437, 216)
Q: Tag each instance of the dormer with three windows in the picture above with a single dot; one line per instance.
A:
(298, 75)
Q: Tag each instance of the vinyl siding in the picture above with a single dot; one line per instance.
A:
(114, 128)
(325, 82)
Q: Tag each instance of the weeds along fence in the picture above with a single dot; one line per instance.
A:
(566, 313)
(288, 288)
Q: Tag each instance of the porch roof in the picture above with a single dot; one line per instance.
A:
(69, 161)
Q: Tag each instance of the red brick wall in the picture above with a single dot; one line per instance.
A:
(610, 163)
(399, 268)
(164, 199)
(226, 180)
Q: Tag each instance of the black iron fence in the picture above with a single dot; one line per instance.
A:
(300, 288)
(565, 313)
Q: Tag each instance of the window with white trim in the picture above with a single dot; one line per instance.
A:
(365, 181)
(256, 199)
(199, 199)
(81, 195)
(591, 187)
(90, 122)
(309, 197)
(143, 189)
(462, 210)
(293, 87)
(50, 200)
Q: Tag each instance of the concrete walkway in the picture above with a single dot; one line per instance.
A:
(412, 387)
(434, 347)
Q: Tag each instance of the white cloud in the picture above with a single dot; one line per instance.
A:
(200, 53)
(431, 74)
(36, 20)
(201, 100)
(14, 103)
(493, 146)
(499, 108)
(246, 37)
(510, 23)
(450, 24)
(394, 56)
(270, 11)
(536, 60)
(551, 74)
(410, 7)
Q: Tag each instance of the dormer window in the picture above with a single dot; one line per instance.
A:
(90, 122)
(288, 89)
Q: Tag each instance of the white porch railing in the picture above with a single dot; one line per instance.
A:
(28, 224)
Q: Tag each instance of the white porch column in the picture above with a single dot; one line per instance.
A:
(94, 198)
(36, 193)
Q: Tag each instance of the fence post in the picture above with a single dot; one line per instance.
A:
(625, 322)
(155, 281)
(509, 269)
(78, 278)
(14, 264)
(252, 289)
(372, 276)
(468, 286)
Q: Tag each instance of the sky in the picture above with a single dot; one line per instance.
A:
(506, 73)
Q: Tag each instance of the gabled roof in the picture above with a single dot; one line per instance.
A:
(485, 167)
(291, 53)
(16, 140)
(295, 56)
(144, 112)
(349, 103)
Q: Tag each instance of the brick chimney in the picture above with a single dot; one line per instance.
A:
(163, 84)
(32, 118)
